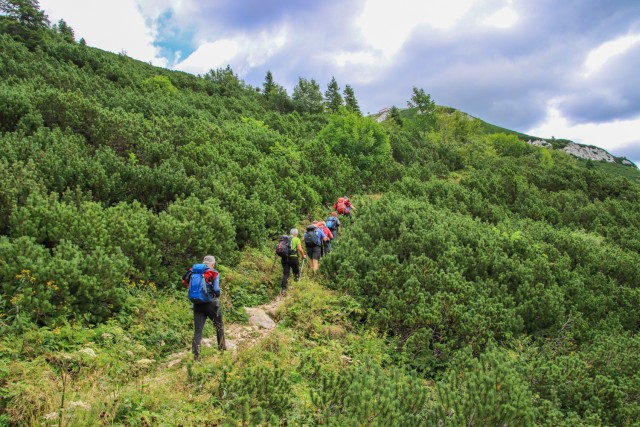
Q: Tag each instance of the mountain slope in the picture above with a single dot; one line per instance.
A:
(488, 281)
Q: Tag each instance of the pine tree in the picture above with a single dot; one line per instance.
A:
(394, 115)
(350, 100)
(269, 85)
(66, 31)
(276, 96)
(424, 110)
(332, 98)
(23, 20)
(307, 97)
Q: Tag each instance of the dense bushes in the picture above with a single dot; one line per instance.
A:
(503, 278)
(156, 168)
(442, 284)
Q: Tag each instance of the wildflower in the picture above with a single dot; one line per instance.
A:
(88, 351)
(79, 404)
(51, 416)
(145, 362)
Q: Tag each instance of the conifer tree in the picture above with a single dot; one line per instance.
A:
(66, 31)
(424, 110)
(350, 100)
(394, 115)
(23, 20)
(332, 98)
(269, 85)
(307, 97)
(276, 96)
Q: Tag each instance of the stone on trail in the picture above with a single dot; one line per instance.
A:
(259, 318)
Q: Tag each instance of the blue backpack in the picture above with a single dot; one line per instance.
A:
(332, 223)
(199, 292)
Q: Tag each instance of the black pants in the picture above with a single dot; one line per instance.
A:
(201, 312)
(288, 264)
(327, 247)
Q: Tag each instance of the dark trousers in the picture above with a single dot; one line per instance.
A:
(288, 264)
(201, 312)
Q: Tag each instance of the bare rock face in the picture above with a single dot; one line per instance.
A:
(589, 153)
(383, 114)
(540, 143)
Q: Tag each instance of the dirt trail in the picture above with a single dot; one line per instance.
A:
(237, 335)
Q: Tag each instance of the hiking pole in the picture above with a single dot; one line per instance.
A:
(302, 268)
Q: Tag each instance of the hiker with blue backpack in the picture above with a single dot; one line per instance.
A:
(289, 249)
(203, 281)
(313, 239)
(333, 223)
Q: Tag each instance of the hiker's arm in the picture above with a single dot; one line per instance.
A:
(186, 278)
(216, 284)
(213, 279)
(301, 251)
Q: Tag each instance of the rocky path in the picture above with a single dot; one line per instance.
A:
(237, 335)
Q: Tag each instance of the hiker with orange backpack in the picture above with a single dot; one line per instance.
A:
(289, 249)
(343, 206)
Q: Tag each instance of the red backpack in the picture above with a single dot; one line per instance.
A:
(340, 206)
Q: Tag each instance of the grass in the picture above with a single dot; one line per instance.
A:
(125, 377)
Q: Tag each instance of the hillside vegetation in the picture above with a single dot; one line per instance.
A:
(483, 282)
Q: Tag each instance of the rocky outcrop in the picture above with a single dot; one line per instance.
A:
(589, 153)
(540, 143)
(583, 152)
(383, 114)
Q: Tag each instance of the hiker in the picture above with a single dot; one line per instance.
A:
(328, 236)
(294, 251)
(343, 206)
(333, 223)
(203, 282)
(313, 238)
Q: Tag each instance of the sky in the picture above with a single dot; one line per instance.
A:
(548, 68)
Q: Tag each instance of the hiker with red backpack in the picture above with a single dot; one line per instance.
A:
(343, 206)
(203, 282)
(289, 249)
(328, 236)
(313, 239)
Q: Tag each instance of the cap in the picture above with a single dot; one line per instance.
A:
(209, 259)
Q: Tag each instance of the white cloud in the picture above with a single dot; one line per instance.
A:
(387, 25)
(361, 57)
(242, 53)
(116, 26)
(503, 18)
(209, 56)
(599, 56)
